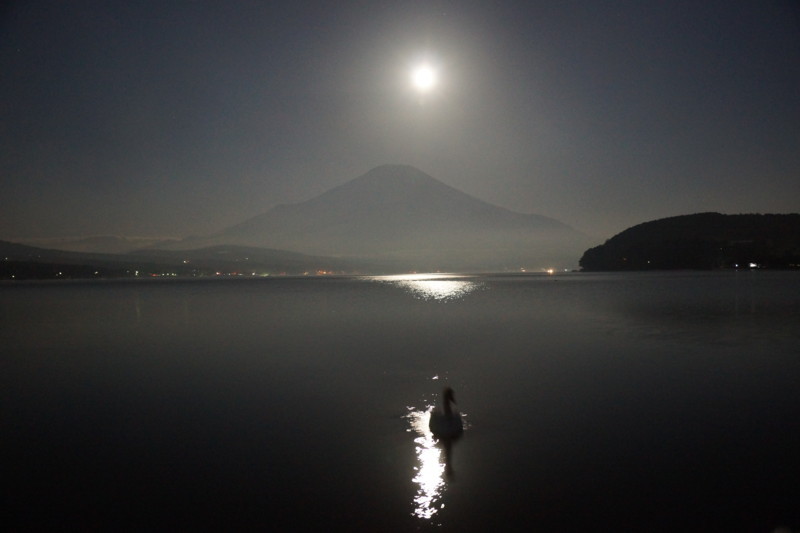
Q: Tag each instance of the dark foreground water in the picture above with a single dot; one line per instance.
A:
(640, 402)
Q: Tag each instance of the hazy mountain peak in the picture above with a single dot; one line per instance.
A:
(400, 182)
(396, 172)
(399, 211)
(400, 175)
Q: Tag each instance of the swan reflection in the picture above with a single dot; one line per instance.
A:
(440, 287)
(433, 463)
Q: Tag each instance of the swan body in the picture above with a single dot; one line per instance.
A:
(446, 424)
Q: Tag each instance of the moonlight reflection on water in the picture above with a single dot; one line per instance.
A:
(429, 472)
(441, 287)
(433, 469)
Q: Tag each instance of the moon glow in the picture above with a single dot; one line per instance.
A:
(424, 78)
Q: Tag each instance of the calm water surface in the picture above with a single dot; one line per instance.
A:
(642, 402)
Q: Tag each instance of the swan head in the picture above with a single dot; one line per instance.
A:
(449, 395)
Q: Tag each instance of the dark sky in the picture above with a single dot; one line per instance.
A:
(173, 118)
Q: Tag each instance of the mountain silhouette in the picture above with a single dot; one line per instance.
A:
(701, 241)
(399, 213)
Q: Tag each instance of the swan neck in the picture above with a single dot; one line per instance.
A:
(448, 410)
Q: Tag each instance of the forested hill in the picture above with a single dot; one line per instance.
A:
(701, 241)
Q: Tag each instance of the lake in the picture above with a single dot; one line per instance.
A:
(637, 401)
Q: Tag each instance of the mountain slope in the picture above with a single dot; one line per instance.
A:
(20, 262)
(701, 241)
(104, 244)
(398, 212)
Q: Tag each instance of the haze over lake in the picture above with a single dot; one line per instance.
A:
(640, 402)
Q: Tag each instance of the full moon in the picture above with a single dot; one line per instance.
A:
(423, 78)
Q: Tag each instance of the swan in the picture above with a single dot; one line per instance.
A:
(446, 424)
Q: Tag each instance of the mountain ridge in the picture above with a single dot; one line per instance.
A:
(701, 241)
(398, 212)
(393, 217)
(21, 261)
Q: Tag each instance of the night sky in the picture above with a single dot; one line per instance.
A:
(174, 118)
